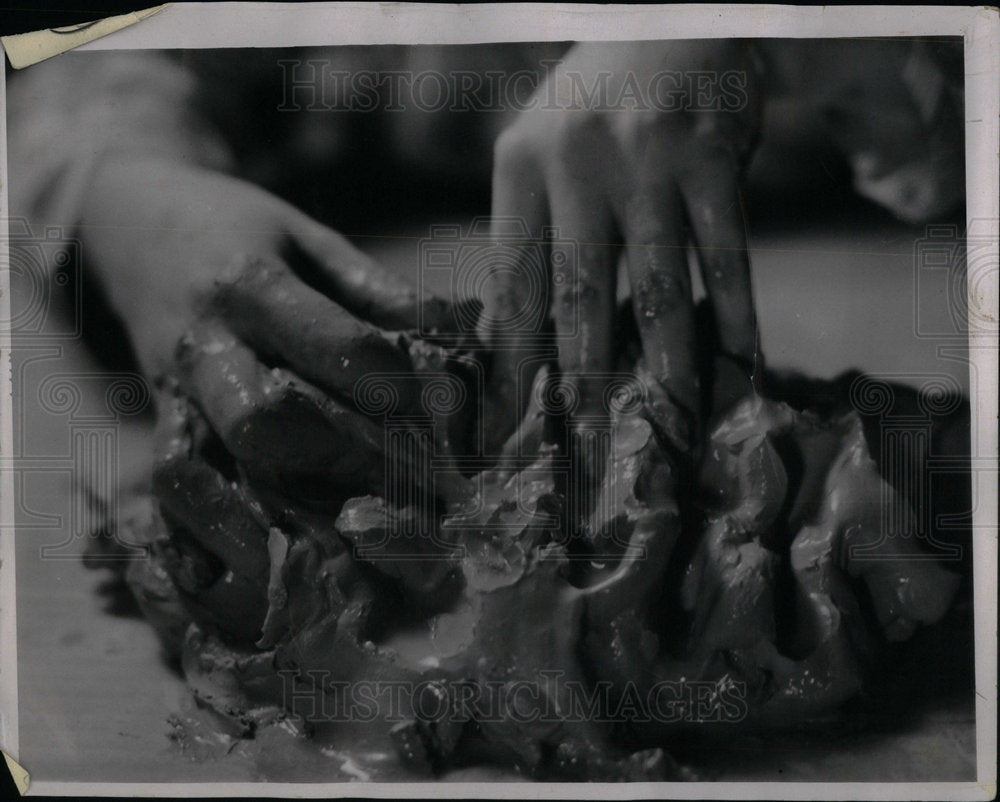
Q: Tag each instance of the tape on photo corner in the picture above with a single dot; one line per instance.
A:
(25, 49)
(21, 777)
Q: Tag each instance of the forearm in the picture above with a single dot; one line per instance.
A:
(70, 114)
(91, 137)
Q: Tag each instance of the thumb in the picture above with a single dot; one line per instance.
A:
(369, 290)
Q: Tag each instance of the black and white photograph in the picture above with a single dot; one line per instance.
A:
(501, 401)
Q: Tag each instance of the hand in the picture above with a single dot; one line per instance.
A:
(655, 178)
(254, 322)
(218, 282)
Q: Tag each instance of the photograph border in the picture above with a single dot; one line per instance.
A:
(231, 25)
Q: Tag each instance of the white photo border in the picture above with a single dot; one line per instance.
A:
(224, 25)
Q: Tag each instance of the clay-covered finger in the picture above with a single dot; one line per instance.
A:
(584, 271)
(514, 281)
(215, 552)
(367, 289)
(288, 322)
(211, 592)
(715, 210)
(273, 418)
(656, 239)
(196, 495)
(584, 276)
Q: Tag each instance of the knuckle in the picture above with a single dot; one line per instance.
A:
(650, 133)
(187, 350)
(657, 296)
(583, 294)
(512, 150)
(279, 395)
(645, 124)
(718, 151)
(564, 297)
(580, 135)
(240, 274)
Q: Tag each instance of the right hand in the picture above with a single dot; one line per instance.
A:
(652, 180)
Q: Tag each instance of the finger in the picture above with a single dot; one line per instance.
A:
(366, 288)
(216, 554)
(285, 320)
(213, 594)
(272, 418)
(514, 288)
(196, 495)
(715, 210)
(660, 282)
(584, 279)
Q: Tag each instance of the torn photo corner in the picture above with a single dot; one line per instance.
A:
(423, 400)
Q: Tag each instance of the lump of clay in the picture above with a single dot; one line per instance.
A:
(503, 622)
(532, 661)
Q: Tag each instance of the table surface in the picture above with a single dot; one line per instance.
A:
(94, 694)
